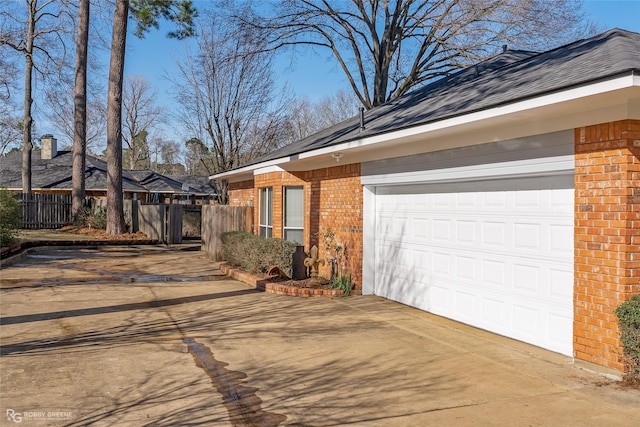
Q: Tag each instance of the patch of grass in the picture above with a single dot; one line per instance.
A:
(344, 283)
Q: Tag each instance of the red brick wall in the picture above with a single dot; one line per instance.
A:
(607, 236)
(241, 193)
(336, 204)
(333, 201)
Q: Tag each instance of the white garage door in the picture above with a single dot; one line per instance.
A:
(497, 255)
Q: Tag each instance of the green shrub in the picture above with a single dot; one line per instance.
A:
(629, 315)
(256, 254)
(345, 283)
(9, 217)
(191, 223)
(93, 218)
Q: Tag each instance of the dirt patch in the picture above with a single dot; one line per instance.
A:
(72, 233)
(102, 234)
(310, 282)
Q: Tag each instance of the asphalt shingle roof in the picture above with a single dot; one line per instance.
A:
(509, 77)
(56, 174)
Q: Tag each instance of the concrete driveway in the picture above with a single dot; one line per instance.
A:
(136, 336)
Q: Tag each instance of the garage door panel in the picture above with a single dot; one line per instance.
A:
(464, 306)
(466, 231)
(440, 299)
(560, 238)
(493, 313)
(466, 269)
(526, 279)
(494, 234)
(494, 273)
(500, 260)
(560, 283)
(525, 322)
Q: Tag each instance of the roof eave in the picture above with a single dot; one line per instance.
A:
(622, 87)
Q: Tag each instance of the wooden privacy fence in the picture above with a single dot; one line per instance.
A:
(218, 219)
(44, 211)
(161, 222)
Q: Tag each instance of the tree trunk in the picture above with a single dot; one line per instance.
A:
(115, 212)
(27, 121)
(80, 111)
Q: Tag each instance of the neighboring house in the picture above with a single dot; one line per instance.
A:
(183, 189)
(51, 172)
(506, 196)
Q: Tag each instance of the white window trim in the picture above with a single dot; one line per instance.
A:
(285, 228)
(265, 223)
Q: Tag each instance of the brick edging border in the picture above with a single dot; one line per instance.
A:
(265, 285)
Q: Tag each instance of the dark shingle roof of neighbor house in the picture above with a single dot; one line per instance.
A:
(55, 173)
(508, 77)
(199, 184)
(154, 181)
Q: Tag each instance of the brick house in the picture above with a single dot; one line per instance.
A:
(51, 173)
(505, 196)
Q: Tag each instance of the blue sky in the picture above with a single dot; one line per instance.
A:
(315, 76)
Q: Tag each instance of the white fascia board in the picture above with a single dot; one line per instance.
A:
(459, 122)
(267, 169)
(518, 168)
(492, 113)
(250, 169)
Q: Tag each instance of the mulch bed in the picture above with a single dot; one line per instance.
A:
(310, 282)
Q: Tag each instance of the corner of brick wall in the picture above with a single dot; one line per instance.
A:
(606, 236)
(333, 200)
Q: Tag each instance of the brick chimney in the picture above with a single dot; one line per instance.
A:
(49, 147)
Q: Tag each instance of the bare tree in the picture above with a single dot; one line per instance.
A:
(387, 47)
(37, 34)
(165, 155)
(228, 100)
(170, 153)
(197, 158)
(336, 108)
(147, 14)
(60, 113)
(8, 68)
(10, 128)
(306, 117)
(141, 114)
